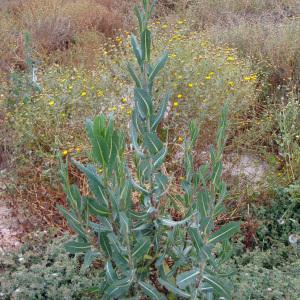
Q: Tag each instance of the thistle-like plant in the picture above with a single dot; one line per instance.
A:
(123, 221)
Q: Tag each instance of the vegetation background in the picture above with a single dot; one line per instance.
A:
(62, 61)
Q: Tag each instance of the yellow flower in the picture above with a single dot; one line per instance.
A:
(51, 103)
(247, 78)
(179, 96)
(180, 139)
(190, 85)
(78, 149)
(129, 111)
(175, 104)
(100, 93)
(208, 77)
(114, 108)
(179, 22)
(164, 26)
(230, 58)
(124, 100)
(83, 94)
(211, 73)
(65, 152)
(231, 83)
(253, 77)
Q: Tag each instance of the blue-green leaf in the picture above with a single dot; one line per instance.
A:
(161, 63)
(173, 289)
(151, 291)
(152, 142)
(75, 247)
(185, 279)
(225, 232)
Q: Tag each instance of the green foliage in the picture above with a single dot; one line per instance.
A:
(133, 242)
(44, 270)
(280, 221)
(23, 84)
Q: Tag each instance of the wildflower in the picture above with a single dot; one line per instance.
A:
(129, 112)
(208, 77)
(114, 108)
(164, 26)
(175, 104)
(179, 96)
(247, 78)
(124, 100)
(230, 58)
(179, 22)
(211, 73)
(190, 85)
(78, 149)
(253, 77)
(83, 94)
(180, 139)
(51, 103)
(65, 152)
(100, 93)
(231, 83)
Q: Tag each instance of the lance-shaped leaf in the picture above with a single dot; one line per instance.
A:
(75, 247)
(225, 232)
(140, 18)
(152, 142)
(110, 273)
(185, 279)
(203, 203)
(96, 208)
(146, 45)
(219, 287)
(104, 243)
(74, 197)
(134, 76)
(151, 291)
(137, 215)
(136, 49)
(139, 188)
(134, 140)
(161, 63)
(141, 248)
(89, 258)
(159, 157)
(72, 220)
(171, 223)
(173, 289)
(124, 223)
(100, 150)
(198, 243)
(143, 102)
(163, 107)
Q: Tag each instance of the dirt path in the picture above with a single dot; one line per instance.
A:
(10, 228)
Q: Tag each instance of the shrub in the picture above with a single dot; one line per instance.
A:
(122, 220)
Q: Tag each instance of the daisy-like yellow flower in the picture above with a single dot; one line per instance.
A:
(190, 85)
(208, 77)
(100, 93)
(179, 96)
(231, 83)
(114, 108)
(83, 93)
(230, 58)
(175, 104)
(247, 78)
(65, 152)
(180, 139)
(124, 100)
(164, 26)
(51, 103)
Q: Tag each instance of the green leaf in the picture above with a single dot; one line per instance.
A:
(75, 247)
(161, 63)
(163, 106)
(161, 183)
(139, 17)
(134, 139)
(203, 203)
(89, 258)
(146, 45)
(152, 142)
(100, 150)
(219, 287)
(141, 249)
(104, 243)
(136, 49)
(110, 273)
(173, 289)
(72, 221)
(171, 223)
(124, 223)
(143, 102)
(225, 232)
(96, 208)
(187, 278)
(134, 76)
(151, 292)
(139, 188)
(138, 215)
(159, 157)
